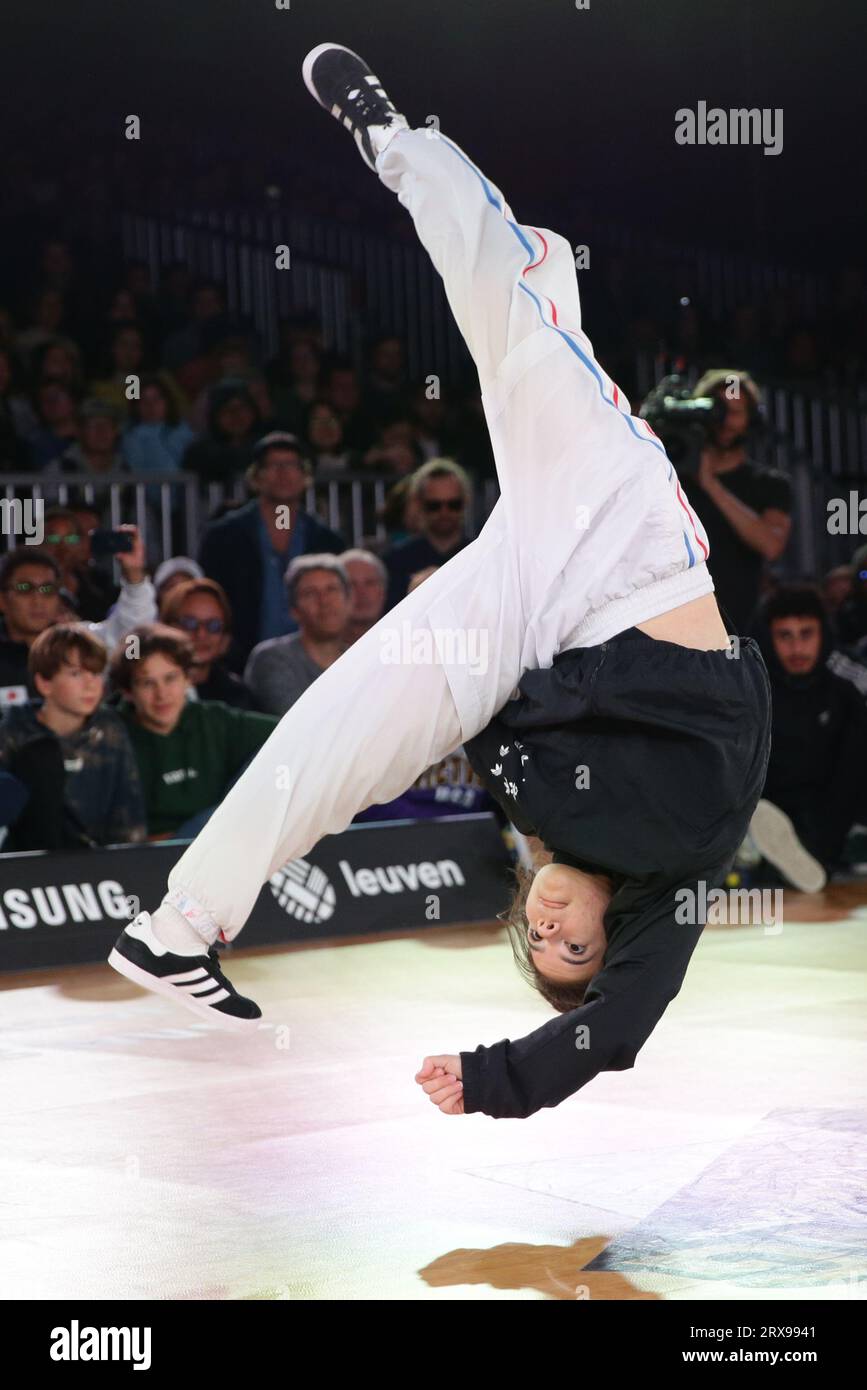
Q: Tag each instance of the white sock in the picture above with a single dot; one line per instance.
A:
(183, 926)
(381, 136)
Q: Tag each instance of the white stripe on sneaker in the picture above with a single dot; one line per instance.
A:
(200, 973)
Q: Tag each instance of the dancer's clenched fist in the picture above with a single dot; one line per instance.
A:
(441, 1078)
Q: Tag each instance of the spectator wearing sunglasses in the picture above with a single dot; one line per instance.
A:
(92, 587)
(200, 608)
(441, 490)
(32, 598)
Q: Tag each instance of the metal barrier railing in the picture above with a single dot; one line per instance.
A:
(242, 258)
(149, 500)
(172, 508)
(398, 289)
(719, 280)
(355, 280)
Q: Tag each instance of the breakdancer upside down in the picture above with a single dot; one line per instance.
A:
(615, 719)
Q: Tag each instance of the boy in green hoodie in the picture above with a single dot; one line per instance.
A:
(188, 752)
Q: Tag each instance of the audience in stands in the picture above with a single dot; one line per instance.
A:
(47, 320)
(55, 410)
(69, 753)
(819, 730)
(175, 571)
(31, 600)
(127, 365)
(395, 450)
(189, 752)
(319, 598)
(156, 438)
(436, 432)
(230, 359)
(851, 619)
(247, 550)
(205, 321)
(87, 583)
(199, 608)
(441, 489)
(401, 512)
(387, 386)
(97, 449)
(323, 434)
(368, 583)
(181, 387)
(59, 360)
(226, 448)
(294, 381)
(836, 589)
(16, 417)
(343, 392)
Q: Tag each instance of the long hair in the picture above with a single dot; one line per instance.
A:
(562, 996)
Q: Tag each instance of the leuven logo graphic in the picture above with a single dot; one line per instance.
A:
(304, 891)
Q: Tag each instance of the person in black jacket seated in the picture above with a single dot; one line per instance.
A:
(247, 550)
(814, 787)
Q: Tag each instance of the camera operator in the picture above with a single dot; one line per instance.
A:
(744, 507)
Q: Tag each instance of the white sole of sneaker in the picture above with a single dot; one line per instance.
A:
(776, 838)
(140, 977)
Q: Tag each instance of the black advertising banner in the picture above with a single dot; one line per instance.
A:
(67, 909)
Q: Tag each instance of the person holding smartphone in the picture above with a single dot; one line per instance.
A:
(31, 600)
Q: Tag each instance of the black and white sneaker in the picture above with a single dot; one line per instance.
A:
(196, 982)
(343, 83)
(776, 839)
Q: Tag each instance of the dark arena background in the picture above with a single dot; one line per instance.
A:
(195, 260)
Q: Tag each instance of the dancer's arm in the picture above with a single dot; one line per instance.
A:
(624, 1003)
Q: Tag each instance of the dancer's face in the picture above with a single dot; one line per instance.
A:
(565, 911)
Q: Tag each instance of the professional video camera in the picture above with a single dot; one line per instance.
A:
(684, 423)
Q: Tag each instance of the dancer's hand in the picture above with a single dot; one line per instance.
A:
(441, 1079)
